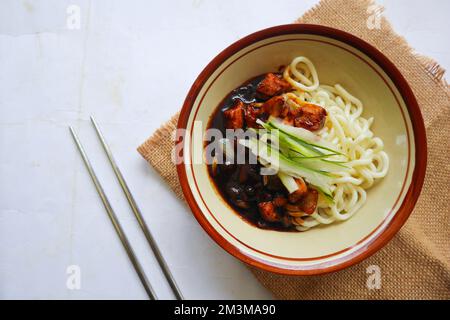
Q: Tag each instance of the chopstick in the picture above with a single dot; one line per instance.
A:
(137, 212)
(112, 216)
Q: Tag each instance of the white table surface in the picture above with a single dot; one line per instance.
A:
(130, 64)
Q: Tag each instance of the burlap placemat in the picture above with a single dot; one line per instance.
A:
(416, 263)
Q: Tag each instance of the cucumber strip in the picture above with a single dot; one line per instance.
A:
(255, 131)
(282, 163)
(338, 163)
(328, 198)
(294, 155)
(302, 135)
(288, 181)
(296, 144)
(322, 165)
(266, 137)
(291, 144)
(308, 152)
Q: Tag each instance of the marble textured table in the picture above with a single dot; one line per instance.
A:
(130, 64)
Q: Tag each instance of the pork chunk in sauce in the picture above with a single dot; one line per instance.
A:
(272, 85)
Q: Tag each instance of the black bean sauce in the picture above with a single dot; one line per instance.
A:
(241, 185)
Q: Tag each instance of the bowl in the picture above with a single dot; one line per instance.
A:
(365, 72)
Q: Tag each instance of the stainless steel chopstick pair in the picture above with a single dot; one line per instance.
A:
(123, 238)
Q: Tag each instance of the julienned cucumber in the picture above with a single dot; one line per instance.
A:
(302, 135)
(288, 181)
(281, 163)
(300, 151)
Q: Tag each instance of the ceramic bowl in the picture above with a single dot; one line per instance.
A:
(365, 72)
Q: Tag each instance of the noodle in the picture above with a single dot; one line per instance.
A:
(350, 133)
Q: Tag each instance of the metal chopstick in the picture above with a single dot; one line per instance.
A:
(112, 216)
(137, 212)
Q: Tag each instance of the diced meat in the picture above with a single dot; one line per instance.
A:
(306, 202)
(288, 120)
(272, 85)
(300, 192)
(234, 116)
(268, 211)
(275, 107)
(251, 115)
(279, 201)
(309, 201)
(309, 116)
(293, 207)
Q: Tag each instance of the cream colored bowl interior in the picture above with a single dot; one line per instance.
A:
(336, 62)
